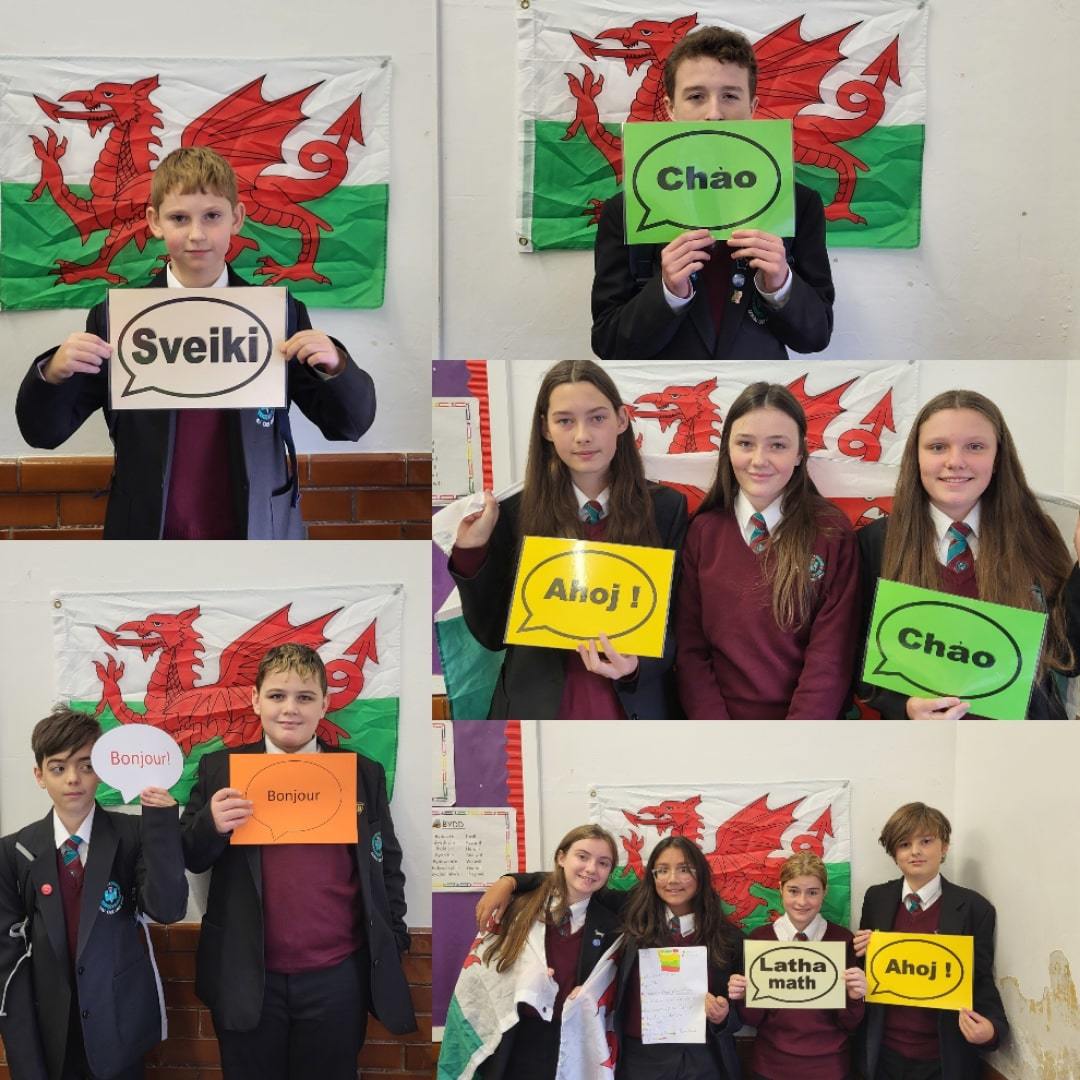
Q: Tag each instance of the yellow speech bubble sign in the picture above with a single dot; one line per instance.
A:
(569, 591)
(795, 974)
(928, 971)
(298, 798)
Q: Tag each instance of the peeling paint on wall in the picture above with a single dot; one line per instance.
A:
(1045, 1041)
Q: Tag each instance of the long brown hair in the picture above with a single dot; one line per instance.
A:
(645, 921)
(548, 504)
(1022, 562)
(546, 904)
(806, 512)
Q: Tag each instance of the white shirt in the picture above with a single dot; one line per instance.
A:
(775, 300)
(173, 282)
(311, 747)
(60, 833)
(577, 915)
(686, 922)
(941, 523)
(603, 499)
(785, 930)
(929, 894)
(744, 511)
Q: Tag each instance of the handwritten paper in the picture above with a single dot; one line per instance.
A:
(674, 982)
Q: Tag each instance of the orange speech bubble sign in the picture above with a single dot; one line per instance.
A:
(298, 798)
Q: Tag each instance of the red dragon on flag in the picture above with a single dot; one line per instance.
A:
(195, 713)
(245, 127)
(790, 71)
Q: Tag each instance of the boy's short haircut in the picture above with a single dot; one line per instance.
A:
(193, 169)
(716, 42)
(62, 731)
(913, 819)
(301, 659)
(804, 864)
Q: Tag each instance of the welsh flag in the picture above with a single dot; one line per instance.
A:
(745, 830)
(852, 79)
(81, 137)
(186, 663)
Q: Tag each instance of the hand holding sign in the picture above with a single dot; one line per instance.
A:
(474, 530)
(765, 254)
(229, 810)
(685, 256)
(314, 348)
(612, 664)
(975, 1028)
(132, 757)
(80, 354)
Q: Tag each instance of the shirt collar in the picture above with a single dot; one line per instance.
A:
(174, 282)
(311, 747)
(928, 894)
(686, 922)
(577, 914)
(603, 499)
(941, 523)
(744, 510)
(785, 928)
(60, 834)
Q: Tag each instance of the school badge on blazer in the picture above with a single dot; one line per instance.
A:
(376, 846)
(817, 567)
(112, 900)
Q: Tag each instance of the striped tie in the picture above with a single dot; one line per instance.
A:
(800, 936)
(913, 902)
(593, 512)
(959, 558)
(759, 537)
(69, 851)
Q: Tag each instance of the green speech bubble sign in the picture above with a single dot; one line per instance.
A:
(933, 644)
(719, 176)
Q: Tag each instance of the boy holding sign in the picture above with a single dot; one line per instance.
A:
(79, 993)
(299, 941)
(750, 298)
(923, 1043)
(186, 474)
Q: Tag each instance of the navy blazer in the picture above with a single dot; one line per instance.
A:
(632, 319)
(229, 970)
(963, 911)
(263, 462)
(531, 679)
(134, 865)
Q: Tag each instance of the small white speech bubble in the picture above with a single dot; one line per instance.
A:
(136, 756)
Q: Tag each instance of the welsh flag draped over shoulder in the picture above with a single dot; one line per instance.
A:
(80, 138)
(186, 661)
(851, 77)
(746, 831)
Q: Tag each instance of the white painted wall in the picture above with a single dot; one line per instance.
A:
(395, 342)
(30, 571)
(987, 301)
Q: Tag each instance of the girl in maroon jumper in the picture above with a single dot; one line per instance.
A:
(964, 521)
(809, 1043)
(576, 936)
(583, 479)
(768, 603)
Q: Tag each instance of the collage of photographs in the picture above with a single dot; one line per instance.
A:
(687, 693)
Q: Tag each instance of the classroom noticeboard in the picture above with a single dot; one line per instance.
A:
(716, 175)
(934, 971)
(197, 348)
(570, 591)
(924, 643)
(299, 798)
(795, 974)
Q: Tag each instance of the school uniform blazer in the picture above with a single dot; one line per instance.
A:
(632, 320)
(1046, 698)
(530, 682)
(963, 911)
(263, 459)
(230, 970)
(600, 930)
(134, 864)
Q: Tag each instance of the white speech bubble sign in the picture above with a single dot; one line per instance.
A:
(136, 756)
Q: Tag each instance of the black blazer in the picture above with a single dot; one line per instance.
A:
(600, 930)
(1046, 702)
(229, 970)
(531, 680)
(114, 987)
(632, 320)
(263, 462)
(963, 911)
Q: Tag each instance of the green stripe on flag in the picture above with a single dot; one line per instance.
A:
(471, 671)
(33, 235)
(566, 175)
(459, 1043)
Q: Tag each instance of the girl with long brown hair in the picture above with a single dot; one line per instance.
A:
(768, 602)
(964, 521)
(550, 937)
(583, 480)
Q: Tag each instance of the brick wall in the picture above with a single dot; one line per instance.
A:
(345, 496)
(191, 1052)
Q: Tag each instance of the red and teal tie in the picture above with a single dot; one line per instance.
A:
(69, 850)
(959, 558)
(593, 511)
(759, 537)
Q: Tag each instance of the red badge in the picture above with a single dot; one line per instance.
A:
(46, 889)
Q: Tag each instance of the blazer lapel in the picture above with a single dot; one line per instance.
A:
(99, 865)
(363, 855)
(252, 852)
(953, 906)
(39, 840)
